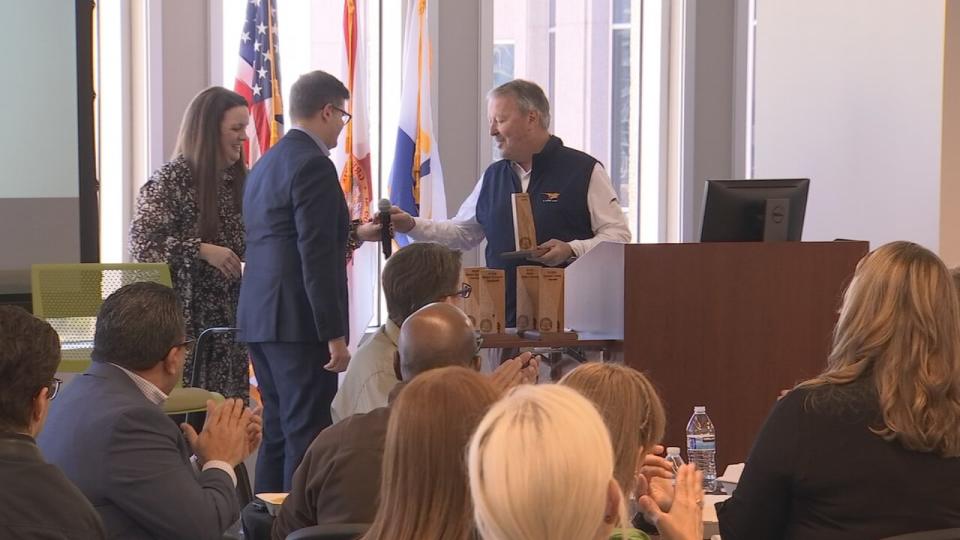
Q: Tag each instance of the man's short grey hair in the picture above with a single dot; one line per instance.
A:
(529, 97)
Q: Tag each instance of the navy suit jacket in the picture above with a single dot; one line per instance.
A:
(132, 462)
(297, 223)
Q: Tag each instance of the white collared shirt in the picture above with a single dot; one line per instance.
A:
(463, 231)
(150, 391)
(158, 397)
(370, 376)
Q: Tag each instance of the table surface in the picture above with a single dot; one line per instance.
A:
(566, 339)
(710, 525)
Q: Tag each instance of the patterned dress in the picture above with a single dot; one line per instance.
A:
(165, 229)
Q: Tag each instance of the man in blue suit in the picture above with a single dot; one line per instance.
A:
(293, 298)
(109, 435)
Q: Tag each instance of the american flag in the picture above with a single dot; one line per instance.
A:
(258, 78)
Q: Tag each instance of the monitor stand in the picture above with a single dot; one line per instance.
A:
(776, 218)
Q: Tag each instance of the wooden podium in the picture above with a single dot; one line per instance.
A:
(726, 325)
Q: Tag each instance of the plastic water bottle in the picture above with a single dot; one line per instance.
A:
(702, 446)
(673, 456)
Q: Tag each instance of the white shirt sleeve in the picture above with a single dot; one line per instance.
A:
(461, 232)
(606, 217)
(223, 466)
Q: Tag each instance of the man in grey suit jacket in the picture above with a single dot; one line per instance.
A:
(110, 436)
(293, 311)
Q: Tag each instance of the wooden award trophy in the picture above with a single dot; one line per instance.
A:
(524, 231)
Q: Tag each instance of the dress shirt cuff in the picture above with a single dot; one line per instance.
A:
(223, 466)
(579, 247)
(418, 227)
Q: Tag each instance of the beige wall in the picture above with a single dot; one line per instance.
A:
(950, 164)
(855, 104)
(186, 53)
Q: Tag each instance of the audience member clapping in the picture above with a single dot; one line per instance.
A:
(110, 436)
(542, 466)
(425, 494)
(634, 415)
(37, 500)
(869, 448)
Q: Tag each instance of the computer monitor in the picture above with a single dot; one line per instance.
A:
(754, 210)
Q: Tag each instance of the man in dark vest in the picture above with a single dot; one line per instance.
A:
(574, 205)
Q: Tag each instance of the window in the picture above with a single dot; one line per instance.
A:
(502, 63)
(620, 100)
(310, 37)
(579, 52)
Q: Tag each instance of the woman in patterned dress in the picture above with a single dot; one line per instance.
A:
(188, 215)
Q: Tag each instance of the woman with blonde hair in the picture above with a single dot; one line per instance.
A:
(541, 466)
(869, 448)
(424, 493)
(630, 408)
(634, 415)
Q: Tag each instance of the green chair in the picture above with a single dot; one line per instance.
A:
(68, 296)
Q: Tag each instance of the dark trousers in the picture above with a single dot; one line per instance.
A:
(296, 393)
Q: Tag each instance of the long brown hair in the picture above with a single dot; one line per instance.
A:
(630, 408)
(424, 493)
(199, 143)
(899, 327)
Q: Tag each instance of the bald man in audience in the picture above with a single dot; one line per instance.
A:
(338, 480)
(37, 499)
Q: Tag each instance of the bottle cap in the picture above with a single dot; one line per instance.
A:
(699, 409)
(673, 450)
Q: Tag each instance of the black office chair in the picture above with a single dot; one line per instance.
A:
(256, 521)
(336, 531)
(196, 419)
(940, 534)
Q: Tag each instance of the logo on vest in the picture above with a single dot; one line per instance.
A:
(551, 198)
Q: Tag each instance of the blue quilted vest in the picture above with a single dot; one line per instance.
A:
(558, 195)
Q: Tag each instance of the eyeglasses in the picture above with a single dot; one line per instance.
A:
(53, 388)
(464, 292)
(345, 115)
(187, 344)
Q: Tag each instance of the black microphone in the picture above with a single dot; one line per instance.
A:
(386, 237)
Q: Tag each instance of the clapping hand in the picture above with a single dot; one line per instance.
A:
(255, 429)
(684, 521)
(523, 369)
(657, 479)
(226, 433)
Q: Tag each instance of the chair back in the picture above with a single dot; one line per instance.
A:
(68, 297)
(332, 531)
(939, 534)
